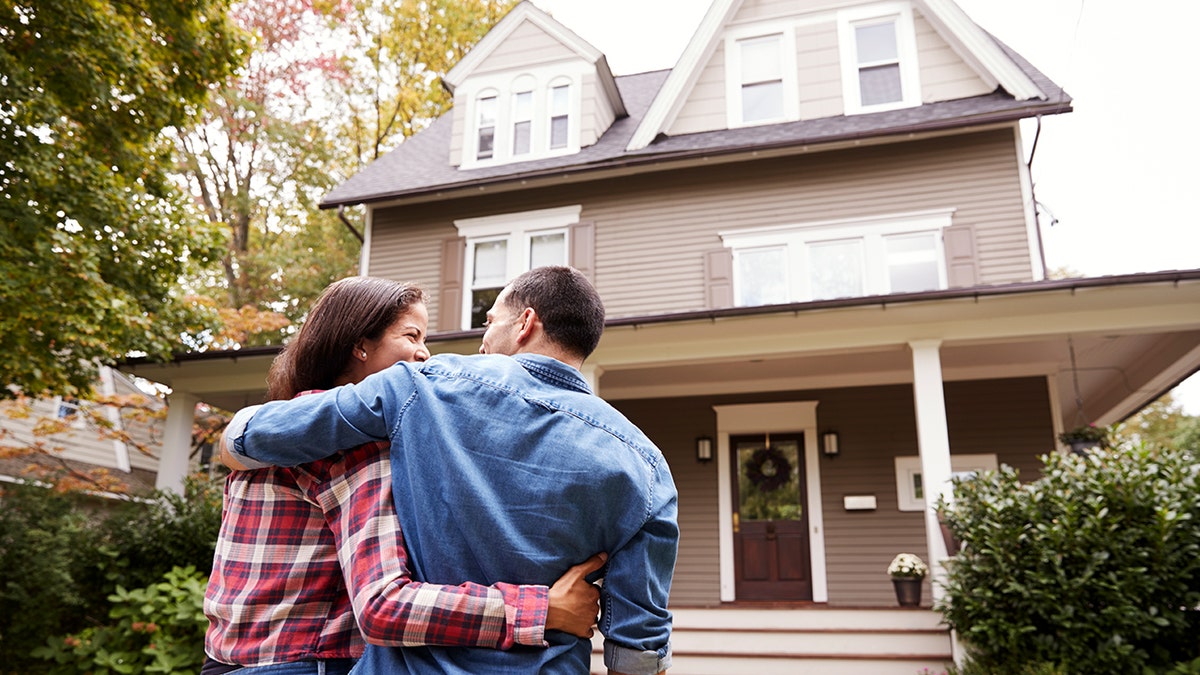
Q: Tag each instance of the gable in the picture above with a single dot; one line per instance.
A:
(528, 45)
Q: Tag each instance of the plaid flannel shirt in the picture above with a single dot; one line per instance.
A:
(294, 540)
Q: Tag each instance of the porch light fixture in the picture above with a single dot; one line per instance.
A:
(829, 444)
(704, 449)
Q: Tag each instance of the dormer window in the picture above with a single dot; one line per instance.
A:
(879, 59)
(486, 110)
(522, 122)
(760, 76)
(560, 115)
(526, 116)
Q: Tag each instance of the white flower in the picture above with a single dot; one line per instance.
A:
(908, 565)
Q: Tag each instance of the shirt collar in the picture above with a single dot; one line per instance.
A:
(553, 371)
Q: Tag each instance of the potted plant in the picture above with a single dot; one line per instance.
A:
(1084, 438)
(908, 572)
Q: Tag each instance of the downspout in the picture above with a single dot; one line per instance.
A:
(358, 235)
(1037, 221)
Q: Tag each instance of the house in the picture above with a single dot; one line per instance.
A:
(816, 242)
(81, 440)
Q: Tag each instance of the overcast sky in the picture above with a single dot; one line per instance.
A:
(1121, 174)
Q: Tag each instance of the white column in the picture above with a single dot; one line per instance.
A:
(933, 442)
(177, 441)
(592, 373)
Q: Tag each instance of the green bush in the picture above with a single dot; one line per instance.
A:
(158, 629)
(1093, 568)
(62, 556)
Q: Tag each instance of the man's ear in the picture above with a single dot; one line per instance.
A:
(529, 323)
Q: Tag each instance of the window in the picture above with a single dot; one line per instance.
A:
(910, 488)
(878, 63)
(761, 78)
(486, 109)
(68, 411)
(522, 122)
(560, 116)
(840, 259)
(502, 247)
(878, 52)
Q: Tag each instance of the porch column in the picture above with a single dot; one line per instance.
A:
(177, 441)
(592, 374)
(933, 442)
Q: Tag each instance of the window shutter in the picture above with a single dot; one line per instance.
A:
(718, 278)
(583, 249)
(450, 287)
(962, 265)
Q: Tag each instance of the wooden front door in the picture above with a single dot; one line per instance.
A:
(770, 525)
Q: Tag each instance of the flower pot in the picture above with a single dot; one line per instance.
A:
(908, 591)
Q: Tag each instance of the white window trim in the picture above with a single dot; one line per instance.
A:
(906, 46)
(506, 86)
(797, 238)
(909, 468)
(733, 73)
(516, 228)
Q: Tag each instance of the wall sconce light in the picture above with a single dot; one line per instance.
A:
(829, 444)
(704, 449)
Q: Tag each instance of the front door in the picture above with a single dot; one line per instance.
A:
(770, 525)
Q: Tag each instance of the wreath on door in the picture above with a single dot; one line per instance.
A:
(768, 469)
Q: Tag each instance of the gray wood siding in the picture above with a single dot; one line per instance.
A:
(704, 108)
(596, 112)
(528, 45)
(875, 424)
(819, 73)
(459, 111)
(652, 233)
(944, 76)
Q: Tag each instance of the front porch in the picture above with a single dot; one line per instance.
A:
(814, 640)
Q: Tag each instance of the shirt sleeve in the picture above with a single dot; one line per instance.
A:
(635, 622)
(391, 608)
(313, 427)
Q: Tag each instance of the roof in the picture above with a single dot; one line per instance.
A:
(420, 167)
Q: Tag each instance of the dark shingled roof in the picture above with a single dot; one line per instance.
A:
(421, 164)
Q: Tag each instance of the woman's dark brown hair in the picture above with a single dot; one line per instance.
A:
(349, 311)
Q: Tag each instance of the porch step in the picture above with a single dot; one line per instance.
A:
(813, 641)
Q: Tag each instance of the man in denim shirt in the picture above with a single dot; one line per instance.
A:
(506, 469)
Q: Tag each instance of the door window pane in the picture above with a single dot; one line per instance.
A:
(761, 276)
(769, 480)
(836, 269)
(547, 249)
(912, 262)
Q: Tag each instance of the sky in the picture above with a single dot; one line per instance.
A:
(1119, 177)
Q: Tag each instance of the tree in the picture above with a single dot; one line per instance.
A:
(1163, 423)
(95, 234)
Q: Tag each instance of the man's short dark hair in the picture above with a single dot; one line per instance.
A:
(569, 307)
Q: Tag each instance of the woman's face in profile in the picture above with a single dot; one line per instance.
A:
(404, 340)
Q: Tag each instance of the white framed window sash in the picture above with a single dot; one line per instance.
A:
(910, 489)
(906, 45)
(517, 230)
(541, 82)
(735, 41)
(797, 240)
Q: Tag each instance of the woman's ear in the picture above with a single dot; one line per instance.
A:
(359, 352)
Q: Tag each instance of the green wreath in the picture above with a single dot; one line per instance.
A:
(768, 469)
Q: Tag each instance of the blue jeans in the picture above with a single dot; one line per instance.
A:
(322, 667)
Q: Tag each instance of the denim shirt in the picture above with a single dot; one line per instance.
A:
(504, 470)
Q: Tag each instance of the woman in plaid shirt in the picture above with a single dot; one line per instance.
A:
(303, 552)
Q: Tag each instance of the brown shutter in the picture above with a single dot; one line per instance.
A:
(962, 265)
(450, 288)
(583, 249)
(718, 278)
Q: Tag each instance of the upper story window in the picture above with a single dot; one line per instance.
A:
(503, 246)
(879, 58)
(529, 116)
(761, 81)
(485, 110)
(823, 261)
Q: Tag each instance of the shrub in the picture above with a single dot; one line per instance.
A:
(158, 629)
(1093, 568)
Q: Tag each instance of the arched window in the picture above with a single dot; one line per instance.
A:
(485, 115)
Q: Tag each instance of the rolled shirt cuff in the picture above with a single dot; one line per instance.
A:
(635, 661)
(234, 437)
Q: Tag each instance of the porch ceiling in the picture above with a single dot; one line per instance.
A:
(1131, 343)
